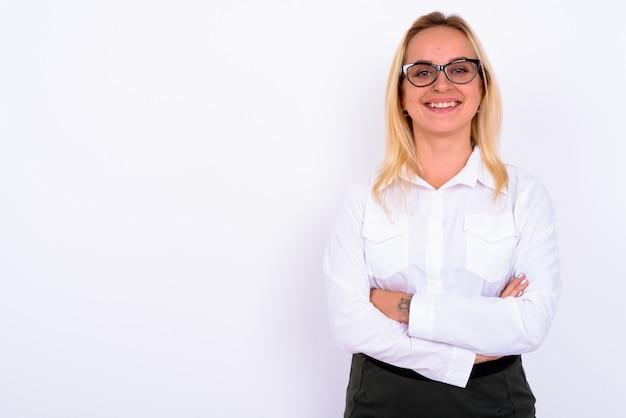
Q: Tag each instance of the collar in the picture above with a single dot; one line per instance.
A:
(474, 171)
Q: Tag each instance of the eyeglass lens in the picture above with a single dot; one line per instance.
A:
(459, 72)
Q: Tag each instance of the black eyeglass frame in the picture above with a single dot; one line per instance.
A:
(444, 67)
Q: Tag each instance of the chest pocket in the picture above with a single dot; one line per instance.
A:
(490, 241)
(386, 245)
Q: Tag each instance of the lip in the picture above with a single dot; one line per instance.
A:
(443, 104)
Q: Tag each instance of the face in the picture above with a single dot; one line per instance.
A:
(442, 108)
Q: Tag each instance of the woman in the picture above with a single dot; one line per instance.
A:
(442, 265)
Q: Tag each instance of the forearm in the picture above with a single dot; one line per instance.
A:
(361, 328)
(395, 305)
(484, 325)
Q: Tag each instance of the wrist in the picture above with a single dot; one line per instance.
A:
(404, 308)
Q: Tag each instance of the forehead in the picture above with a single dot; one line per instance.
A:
(439, 45)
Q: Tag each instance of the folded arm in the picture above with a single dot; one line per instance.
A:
(397, 305)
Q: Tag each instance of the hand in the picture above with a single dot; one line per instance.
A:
(482, 359)
(396, 305)
(514, 288)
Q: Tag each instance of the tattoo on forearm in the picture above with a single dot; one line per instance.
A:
(405, 305)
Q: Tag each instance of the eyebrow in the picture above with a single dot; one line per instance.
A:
(430, 62)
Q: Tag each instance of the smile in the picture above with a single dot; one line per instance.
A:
(442, 105)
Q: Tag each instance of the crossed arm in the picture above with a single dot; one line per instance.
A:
(397, 305)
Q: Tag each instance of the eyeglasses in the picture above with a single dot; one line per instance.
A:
(422, 74)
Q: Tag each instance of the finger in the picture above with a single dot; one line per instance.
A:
(516, 287)
(509, 289)
(521, 286)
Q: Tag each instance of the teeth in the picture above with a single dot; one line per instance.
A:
(442, 105)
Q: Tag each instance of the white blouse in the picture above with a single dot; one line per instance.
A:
(455, 249)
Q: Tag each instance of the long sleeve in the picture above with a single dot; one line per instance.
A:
(491, 325)
(357, 325)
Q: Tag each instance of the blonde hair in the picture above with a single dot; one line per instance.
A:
(400, 142)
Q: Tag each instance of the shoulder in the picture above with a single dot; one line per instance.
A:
(357, 192)
(521, 180)
(359, 195)
(360, 188)
(527, 190)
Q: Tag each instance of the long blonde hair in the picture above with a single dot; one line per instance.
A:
(400, 143)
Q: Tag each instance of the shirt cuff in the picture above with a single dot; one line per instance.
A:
(422, 317)
(460, 367)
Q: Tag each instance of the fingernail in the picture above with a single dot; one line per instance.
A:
(520, 293)
(523, 281)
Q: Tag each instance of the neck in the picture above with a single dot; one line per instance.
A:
(439, 161)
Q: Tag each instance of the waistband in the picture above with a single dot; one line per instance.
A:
(479, 370)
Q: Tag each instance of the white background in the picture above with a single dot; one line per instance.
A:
(169, 171)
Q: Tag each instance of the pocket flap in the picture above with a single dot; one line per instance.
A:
(379, 228)
(489, 227)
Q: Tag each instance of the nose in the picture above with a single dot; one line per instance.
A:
(441, 83)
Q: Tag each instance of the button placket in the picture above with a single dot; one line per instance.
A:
(434, 244)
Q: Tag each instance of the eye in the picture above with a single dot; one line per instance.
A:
(460, 68)
(421, 71)
(462, 72)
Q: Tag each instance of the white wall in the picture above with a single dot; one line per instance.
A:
(169, 171)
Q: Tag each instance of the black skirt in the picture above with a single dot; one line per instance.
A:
(378, 390)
